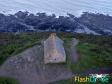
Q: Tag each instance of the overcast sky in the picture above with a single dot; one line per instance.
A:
(59, 7)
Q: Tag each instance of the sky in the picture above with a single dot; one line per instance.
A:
(59, 7)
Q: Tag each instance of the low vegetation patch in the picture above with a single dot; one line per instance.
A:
(14, 44)
(95, 52)
(7, 80)
(91, 57)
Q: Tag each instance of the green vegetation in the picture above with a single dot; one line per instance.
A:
(14, 44)
(6, 80)
(91, 57)
(90, 47)
(94, 51)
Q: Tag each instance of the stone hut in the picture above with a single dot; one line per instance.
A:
(54, 51)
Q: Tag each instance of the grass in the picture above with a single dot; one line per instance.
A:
(16, 44)
(91, 57)
(7, 50)
(95, 51)
(7, 80)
